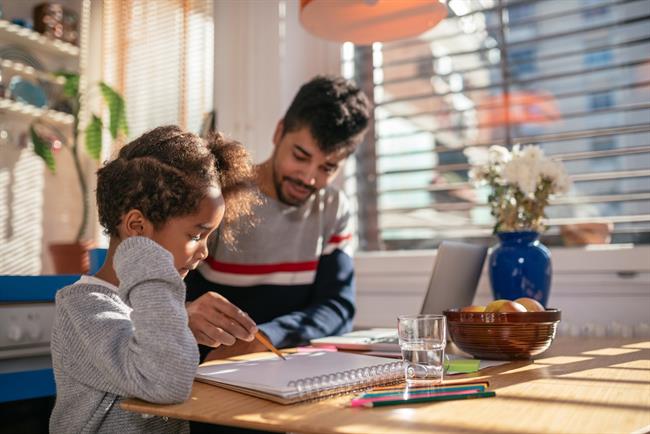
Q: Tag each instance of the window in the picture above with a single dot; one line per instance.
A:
(520, 12)
(602, 146)
(603, 143)
(159, 54)
(522, 61)
(598, 58)
(576, 88)
(600, 100)
(594, 9)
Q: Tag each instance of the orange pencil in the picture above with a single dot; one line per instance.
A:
(269, 346)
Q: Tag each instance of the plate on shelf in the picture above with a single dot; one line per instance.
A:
(18, 54)
(26, 91)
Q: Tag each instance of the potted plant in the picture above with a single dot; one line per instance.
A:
(521, 184)
(73, 257)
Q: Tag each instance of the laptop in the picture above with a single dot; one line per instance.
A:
(453, 283)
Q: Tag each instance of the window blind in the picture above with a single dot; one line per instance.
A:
(159, 54)
(572, 76)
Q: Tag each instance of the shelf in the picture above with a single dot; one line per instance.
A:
(18, 34)
(36, 112)
(31, 72)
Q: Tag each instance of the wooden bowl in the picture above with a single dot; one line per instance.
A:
(503, 335)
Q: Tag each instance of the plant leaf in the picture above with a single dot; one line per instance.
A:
(117, 111)
(71, 86)
(94, 138)
(43, 149)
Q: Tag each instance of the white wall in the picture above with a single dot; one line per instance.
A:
(262, 56)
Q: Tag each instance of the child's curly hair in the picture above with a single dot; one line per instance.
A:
(166, 172)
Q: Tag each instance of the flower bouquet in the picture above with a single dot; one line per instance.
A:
(522, 181)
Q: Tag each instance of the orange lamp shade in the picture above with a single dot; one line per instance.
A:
(363, 22)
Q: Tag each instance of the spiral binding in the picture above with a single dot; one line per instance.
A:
(346, 381)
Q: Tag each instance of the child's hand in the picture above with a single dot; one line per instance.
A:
(215, 321)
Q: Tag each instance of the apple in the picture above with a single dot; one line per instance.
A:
(494, 305)
(473, 309)
(530, 304)
(504, 306)
(511, 306)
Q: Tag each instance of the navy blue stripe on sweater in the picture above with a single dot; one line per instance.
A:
(291, 315)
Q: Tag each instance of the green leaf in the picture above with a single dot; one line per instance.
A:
(117, 111)
(94, 138)
(71, 86)
(43, 149)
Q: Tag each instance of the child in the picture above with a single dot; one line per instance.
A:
(124, 332)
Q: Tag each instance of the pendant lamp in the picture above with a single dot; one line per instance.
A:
(363, 22)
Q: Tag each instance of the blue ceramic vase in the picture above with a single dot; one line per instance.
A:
(520, 266)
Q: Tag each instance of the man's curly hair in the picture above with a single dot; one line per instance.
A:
(334, 109)
(166, 172)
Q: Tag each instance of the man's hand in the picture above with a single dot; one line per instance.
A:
(215, 321)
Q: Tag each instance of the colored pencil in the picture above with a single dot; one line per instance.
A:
(356, 402)
(444, 384)
(476, 387)
(435, 397)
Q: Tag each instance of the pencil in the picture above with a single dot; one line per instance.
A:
(402, 386)
(269, 346)
(438, 390)
(445, 397)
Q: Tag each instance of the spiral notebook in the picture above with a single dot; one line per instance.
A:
(302, 376)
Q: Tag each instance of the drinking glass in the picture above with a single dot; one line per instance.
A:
(422, 339)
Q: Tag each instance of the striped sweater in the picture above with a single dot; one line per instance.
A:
(292, 272)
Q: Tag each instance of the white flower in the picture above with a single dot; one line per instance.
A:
(562, 183)
(531, 153)
(519, 179)
(553, 171)
(518, 172)
(550, 169)
(498, 155)
(477, 156)
(476, 175)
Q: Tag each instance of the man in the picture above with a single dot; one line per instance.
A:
(292, 270)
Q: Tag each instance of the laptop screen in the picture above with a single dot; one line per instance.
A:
(456, 272)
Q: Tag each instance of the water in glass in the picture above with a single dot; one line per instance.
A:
(423, 361)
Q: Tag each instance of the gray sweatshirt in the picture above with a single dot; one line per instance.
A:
(109, 344)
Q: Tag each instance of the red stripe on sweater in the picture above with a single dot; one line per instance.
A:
(338, 238)
(261, 268)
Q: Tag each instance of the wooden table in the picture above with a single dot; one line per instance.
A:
(579, 385)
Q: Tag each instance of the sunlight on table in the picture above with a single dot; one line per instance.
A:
(610, 351)
(562, 360)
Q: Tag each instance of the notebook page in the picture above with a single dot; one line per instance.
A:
(273, 375)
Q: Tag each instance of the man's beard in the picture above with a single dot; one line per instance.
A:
(277, 183)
